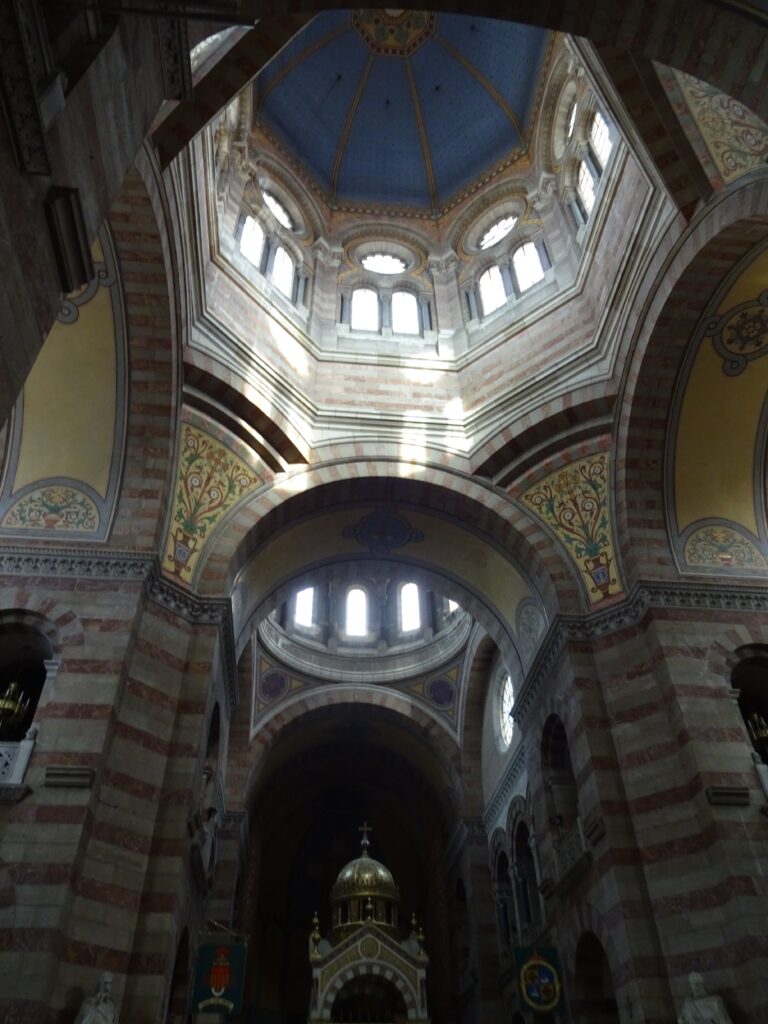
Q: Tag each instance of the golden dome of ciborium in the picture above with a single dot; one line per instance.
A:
(364, 891)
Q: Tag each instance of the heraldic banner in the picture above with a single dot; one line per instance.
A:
(219, 975)
(538, 975)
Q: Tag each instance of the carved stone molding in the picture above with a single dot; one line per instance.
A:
(121, 566)
(16, 560)
(174, 51)
(503, 791)
(19, 73)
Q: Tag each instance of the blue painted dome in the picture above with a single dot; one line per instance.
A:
(401, 108)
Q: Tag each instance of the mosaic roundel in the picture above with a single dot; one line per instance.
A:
(441, 692)
(273, 685)
(392, 32)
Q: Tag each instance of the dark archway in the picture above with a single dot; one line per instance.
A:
(559, 780)
(369, 998)
(24, 651)
(594, 997)
(750, 678)
(327, 772)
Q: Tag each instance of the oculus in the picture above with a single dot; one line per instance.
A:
(383, 263)
(498, 230)
(279, 211)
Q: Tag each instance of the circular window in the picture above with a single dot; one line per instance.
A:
(506, 706)
(500, 229)
(383, 263)
(280, 212)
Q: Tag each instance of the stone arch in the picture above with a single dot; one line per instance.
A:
(585, 918)
(497, 844)
(594, 992)
(144, 238)
(679, 284)
(481, 659)
(749, 676)
(518, 812)
(437, 491)
(391, 972)
(47, 616)
(398, 705)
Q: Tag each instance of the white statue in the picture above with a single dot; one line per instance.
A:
(100, 1007)
(700, 1008)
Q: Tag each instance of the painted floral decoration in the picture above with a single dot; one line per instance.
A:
(53, 508)
(574, 503)
(210, 479)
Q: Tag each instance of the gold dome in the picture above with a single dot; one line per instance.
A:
(365, 877)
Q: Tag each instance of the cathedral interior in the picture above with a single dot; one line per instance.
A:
(384, 453)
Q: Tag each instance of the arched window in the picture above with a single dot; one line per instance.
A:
(365, 310)
(356, 621)
(492, 292)
(585, 186)
(410, 614)
(252, 241)
(304, 611)
(527, 266)
(600, 139)
(282, 272)
(506, 706)
(405, 313)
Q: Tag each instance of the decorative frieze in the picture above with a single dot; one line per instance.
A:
(504, 789)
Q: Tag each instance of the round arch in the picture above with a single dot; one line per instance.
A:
(484, 512)
(345, 975)
(397, 707)
(726, 230)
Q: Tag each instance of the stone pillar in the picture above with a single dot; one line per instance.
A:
(481, 997)
(324, 308)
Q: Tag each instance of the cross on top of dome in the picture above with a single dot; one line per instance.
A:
(365, 842)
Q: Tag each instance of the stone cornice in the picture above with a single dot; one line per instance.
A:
(16, 560)
(643, 596)
(131, 567)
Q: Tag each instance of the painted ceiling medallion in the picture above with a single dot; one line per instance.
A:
(383, 531)
(392, 32)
